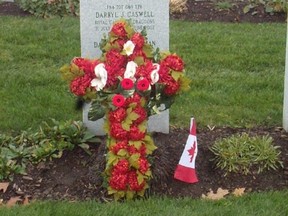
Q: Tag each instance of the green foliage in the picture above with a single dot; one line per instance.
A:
(96, 111)
(47, 143)
(49, 8)
(271, 6)
(224, 5)
(242, 153)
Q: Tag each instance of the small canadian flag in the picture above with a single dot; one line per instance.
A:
(185, 170)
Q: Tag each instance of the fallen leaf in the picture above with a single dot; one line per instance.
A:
(216, 196)
(13, 201)
(211, 128)
(27, 178)
(4, 186)
(238, 192)
(26, 200)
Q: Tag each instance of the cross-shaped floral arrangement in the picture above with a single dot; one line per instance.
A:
(127, 84)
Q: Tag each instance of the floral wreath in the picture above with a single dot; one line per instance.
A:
(127, 84)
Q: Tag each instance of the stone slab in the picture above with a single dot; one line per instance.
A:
(96, 19)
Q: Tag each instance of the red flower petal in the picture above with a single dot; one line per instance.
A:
(118, 100)
(133, 182)
(119, 29)
(127, 84)
(79, 85)
(143, 84)
(117, 115)
(174, 62)
(118, 132)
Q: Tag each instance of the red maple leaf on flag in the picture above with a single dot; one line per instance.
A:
(192, 151)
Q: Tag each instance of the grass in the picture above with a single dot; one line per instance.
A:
(237, 77)
(31, 53)
(265, 204)
(224, 5)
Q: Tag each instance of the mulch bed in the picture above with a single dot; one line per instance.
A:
(77, 176)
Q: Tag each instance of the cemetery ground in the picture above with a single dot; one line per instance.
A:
(225, 11)
(77, 175)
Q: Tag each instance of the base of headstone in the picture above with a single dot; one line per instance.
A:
(156, 123)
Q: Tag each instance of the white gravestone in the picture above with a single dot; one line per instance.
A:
(96, 19)
(285, 107)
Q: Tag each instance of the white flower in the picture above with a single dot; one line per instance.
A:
(101, 77)
(154, 74)
(129, 47)
(130, 70)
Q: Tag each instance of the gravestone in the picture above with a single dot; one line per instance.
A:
(96, 19)
(285, 106)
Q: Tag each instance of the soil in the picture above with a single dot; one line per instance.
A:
(77, 175)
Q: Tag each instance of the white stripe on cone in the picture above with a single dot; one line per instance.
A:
(185, 170)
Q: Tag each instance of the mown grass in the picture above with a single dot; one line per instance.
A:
(265, 204)
(32, 50)
(237, 72)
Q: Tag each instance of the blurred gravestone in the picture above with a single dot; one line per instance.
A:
(96, 19)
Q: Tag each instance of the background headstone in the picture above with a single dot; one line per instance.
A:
(96, 19)
(285, 107)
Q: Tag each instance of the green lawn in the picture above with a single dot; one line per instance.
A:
(237, 72)
(265, 204)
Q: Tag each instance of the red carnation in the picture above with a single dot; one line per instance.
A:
(138, 40)
(145, 70)
(79, 85)
(174, 62)
(132, 150)
(142, 114)
(143, 165)
(115, 59)
(135, 133)
(164, 73)
(133, 182)
(86, 65)
(118, 146)
(136, 98)
(127, 84)
(118, 181)
(117, 115)
(143, 150)
(117, 131)
(118, 100)
(171, 88)
(121, 167)
(143, 84)
(119, 29)
(113, 74)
